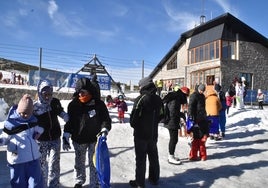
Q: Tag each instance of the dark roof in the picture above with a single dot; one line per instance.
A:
(226, 20)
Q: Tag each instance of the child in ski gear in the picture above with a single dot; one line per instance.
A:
(173, 101)
(47, 109)
(88, 117)
(146, 114)
(200, 128)
(229, 100)
(260, 98)
(239, 95)
(121, 108)
(109, 102)
(19, 134)
(213, 107)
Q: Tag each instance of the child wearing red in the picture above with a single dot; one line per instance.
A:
(121, 108)
(109, 102)
(197, 124)
(229, 101)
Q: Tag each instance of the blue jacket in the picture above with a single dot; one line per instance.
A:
(18, 135)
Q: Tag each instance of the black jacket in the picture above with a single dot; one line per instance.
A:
(86, 120)
(173, 101)
(197, 111)
(146, 114)
(47, 116)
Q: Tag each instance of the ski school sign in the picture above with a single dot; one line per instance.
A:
(104, 81)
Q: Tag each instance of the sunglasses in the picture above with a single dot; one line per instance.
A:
(47, 94)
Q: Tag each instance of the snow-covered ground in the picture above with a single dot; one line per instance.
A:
(240, 160)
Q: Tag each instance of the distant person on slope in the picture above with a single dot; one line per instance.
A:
(121, 108)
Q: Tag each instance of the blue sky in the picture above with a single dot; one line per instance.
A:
(122, 33)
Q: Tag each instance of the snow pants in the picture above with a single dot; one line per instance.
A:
(214, 126)
(142, 149)
(80, 164)
(198, 145)
(26, 175)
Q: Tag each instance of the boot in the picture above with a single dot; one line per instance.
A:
(194, 150)
(203, 151)
(173, 160)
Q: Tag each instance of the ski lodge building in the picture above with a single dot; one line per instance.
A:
(223, 48)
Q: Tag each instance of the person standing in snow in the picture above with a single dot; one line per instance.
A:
(121, 108)
(173, 102)
(260, 99)
(19, 134)
(222, 115)
(89, 117)
(198, 117)
(229, 100)
(47, 109)
(213, 107)
(239, 96)
(146, 114)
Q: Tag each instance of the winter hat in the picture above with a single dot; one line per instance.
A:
(177, 87)
(45, 86)
(25, 105)
(85, 83)
(120, 97)
(145, 82)
(47, 89)
(202, 87)
(185, 90)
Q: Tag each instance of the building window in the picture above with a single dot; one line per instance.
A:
(172, 64)
(212, 51)
(206, 52)
(228, 50)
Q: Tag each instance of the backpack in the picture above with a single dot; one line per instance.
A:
(136, 113)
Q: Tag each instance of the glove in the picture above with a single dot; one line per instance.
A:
(65, 141)
(103, 132)
(64, 116)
